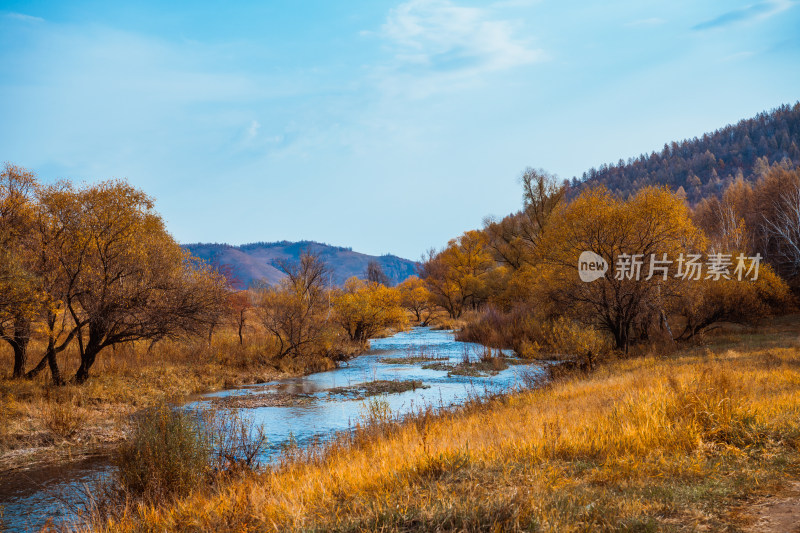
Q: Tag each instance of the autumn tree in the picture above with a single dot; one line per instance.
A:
(760, 217)
(234, 303)
(124, 278)
(514, 239)
(705, 302)
(456, 276)
(724, 219)
(294, 311)
(59, 286)
(653, 224)
(20, 291)
(365, 308)
(417, 299)
(239, 303)
(781, 228)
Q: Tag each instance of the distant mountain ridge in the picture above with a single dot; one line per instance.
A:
(704, 167)
(258, 261)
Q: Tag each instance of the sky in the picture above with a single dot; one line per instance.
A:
(386, 126)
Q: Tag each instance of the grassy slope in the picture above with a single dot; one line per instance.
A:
(674, 443)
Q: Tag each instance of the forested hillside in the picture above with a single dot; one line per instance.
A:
(705, 166)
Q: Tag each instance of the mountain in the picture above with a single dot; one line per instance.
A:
(259, 261)
(706, 166)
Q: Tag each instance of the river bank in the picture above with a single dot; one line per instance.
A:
(683, 441)
(43, 425)
(402, 373)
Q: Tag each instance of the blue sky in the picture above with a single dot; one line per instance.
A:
(387, 126)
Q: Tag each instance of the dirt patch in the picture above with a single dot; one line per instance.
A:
(270, 399)
(380, 386)
(485, 367)
(778, 514)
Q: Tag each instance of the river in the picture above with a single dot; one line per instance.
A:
(324, 407)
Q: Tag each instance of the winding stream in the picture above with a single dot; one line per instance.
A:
(313, 413)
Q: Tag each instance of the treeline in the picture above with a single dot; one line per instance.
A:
(705, 167)
(305, 317)
(84, 269)
(672, 273)
(301, 244)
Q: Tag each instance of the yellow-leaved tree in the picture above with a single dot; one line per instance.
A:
(115, 274)
(366, 308)
(20, 289)
(457, 276)
(653, 225)
(294, 311)
(417, 299)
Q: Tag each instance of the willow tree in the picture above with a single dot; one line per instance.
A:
(416, 298)
(456, 277)
(20, 294)
(366, 308)
(118, 274)
(651, 225)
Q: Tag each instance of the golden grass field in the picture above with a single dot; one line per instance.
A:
(679, 442)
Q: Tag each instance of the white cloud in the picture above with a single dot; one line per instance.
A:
(437, 40)
(754, 12)
(23, 17)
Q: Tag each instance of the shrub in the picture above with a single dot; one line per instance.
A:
(167, 454)
(236, 441)
(569, 338)
(519, 329)
(376, 411)
(62, 419)
(532, 336)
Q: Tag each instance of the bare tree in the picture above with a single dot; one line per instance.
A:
(294, 311)
(785, 230)
(514, 239)
(376, 274)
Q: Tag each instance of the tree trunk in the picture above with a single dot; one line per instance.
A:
(50, 360)
(55, 373)
(32, 373)
(665, 325)
(19, 343)
(87, 360)
(20, 359)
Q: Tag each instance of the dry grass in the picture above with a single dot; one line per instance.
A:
(674, 443)
(41, 422)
